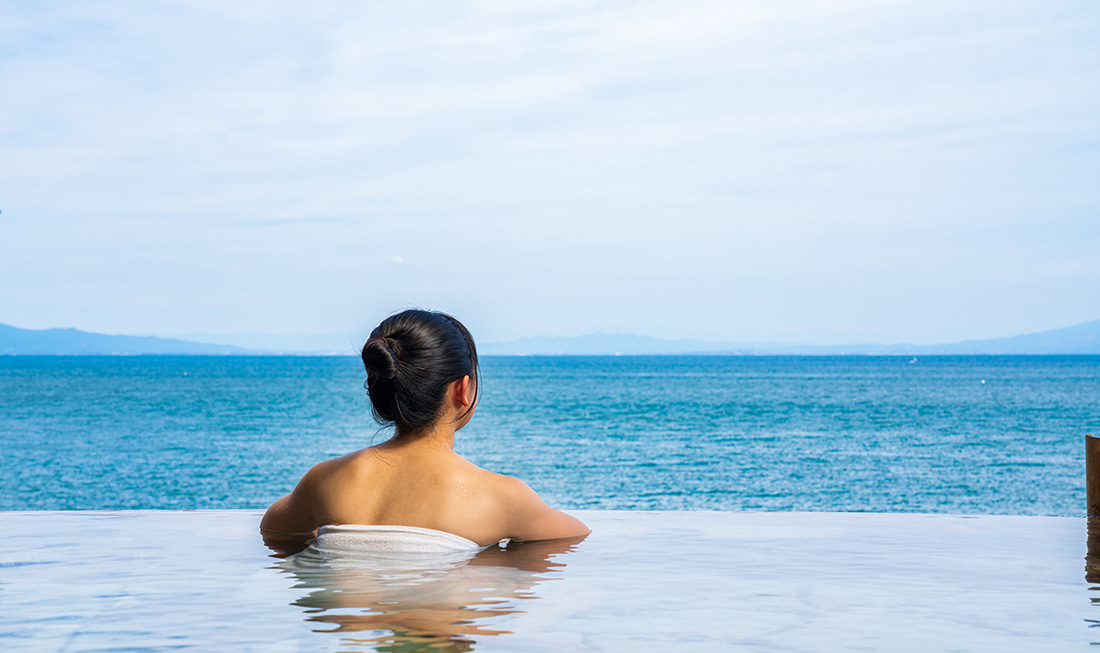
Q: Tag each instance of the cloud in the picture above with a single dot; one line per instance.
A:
(591, 166)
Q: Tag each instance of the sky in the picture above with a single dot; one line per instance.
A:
(832, 171)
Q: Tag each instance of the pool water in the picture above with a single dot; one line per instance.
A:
(643, 581)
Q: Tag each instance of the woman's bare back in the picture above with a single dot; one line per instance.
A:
(422, 484)
(425, 486)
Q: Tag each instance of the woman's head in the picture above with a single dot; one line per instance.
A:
(411, 359)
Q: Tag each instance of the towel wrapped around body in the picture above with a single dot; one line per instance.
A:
(390, 540)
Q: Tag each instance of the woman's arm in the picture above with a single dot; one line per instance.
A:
(285, 519)
(529, 518)
(290, 521)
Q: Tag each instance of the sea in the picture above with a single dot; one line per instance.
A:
(950, 434)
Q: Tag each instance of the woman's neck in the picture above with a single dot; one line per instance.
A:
(438, 436)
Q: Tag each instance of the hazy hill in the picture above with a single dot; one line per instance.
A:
(1081, 338)
(1078, 339)
(70, 342)
(321, 344)
(596, 344)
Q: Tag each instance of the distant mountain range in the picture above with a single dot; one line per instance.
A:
(1078, 339)
(73, 342)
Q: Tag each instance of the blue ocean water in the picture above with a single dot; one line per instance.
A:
(981, 435)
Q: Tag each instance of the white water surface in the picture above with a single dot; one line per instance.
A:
(643, 581)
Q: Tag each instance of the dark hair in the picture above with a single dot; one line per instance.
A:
(410, 359)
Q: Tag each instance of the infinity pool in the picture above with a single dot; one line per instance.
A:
(643, 581)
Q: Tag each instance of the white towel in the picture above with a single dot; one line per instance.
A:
(389, 540)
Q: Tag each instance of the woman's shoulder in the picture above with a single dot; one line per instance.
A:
(335, 474)
(518, 512)
(491, 481)
(496, 492)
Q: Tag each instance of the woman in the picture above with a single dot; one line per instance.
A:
(422, 378)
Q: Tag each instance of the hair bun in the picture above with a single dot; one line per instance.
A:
(380, 357)
(411, 358)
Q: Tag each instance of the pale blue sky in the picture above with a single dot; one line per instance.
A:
(821, 171)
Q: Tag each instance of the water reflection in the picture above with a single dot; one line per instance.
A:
(1092, 566)
(402, 603)
(1092, 550)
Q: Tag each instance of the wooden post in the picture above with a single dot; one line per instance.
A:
(1092, 474)
(1092, 500)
